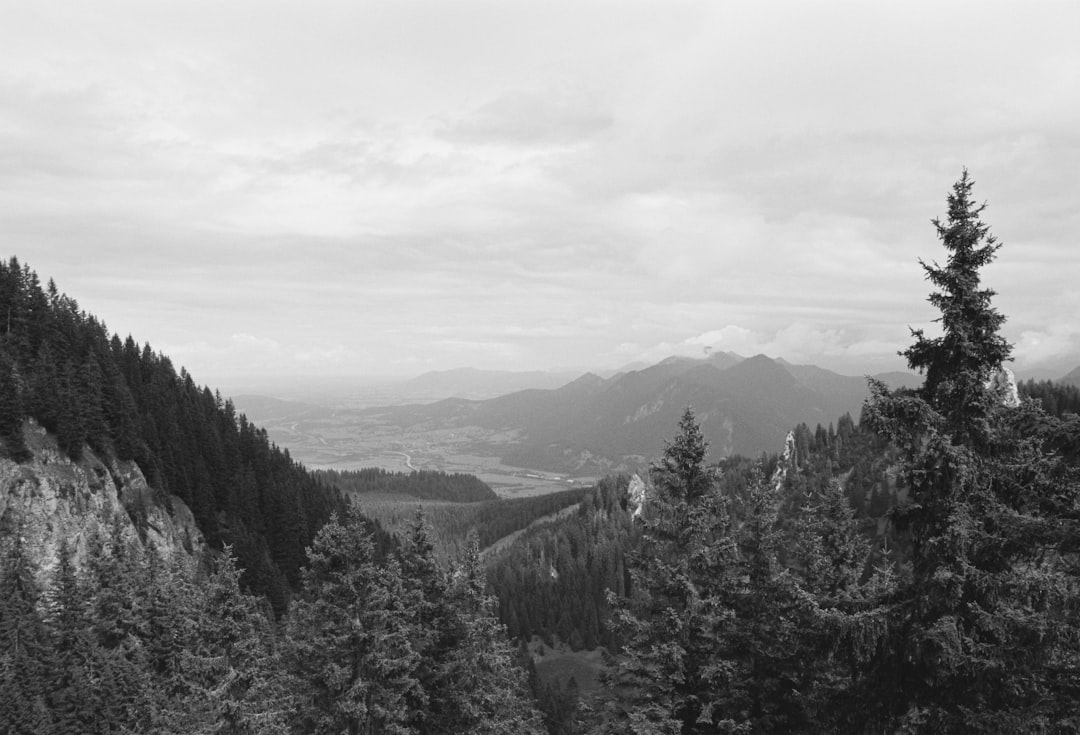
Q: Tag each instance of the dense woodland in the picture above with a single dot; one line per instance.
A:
(554, 579)
(1057, 399)
(451, 522)
(134, 643)
(454, 487)
(913, 571)
(59, 366)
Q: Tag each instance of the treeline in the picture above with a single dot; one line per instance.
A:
(453, 487)
(59, 366)
(129, 642)
(1057, 399)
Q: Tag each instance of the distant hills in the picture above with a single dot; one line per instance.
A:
(585, 426)
(1073, 378)
(594, 424)
(480, 384)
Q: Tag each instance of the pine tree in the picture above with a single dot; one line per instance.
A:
(486, 692)
(228, 678)
(69, 683)
(959, 364)
(12, 406)
(981, 633)
(772, 639)
(671, 674)
(831, 552)
(117, 665)
(24, 647)
(350, 635)
(433, 631)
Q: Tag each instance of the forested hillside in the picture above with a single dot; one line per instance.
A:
(452, 487)
(553, 579)
(451, 523)
(130, 644)
(252, 638)
(60, 367)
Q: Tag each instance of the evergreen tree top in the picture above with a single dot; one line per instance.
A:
(682, 468)
(959, 363)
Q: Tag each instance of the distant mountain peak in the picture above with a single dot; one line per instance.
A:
(763, 366)
(677, 360)
(724, 360)
(586, 379)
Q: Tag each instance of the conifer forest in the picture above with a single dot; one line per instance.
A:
(914, 569)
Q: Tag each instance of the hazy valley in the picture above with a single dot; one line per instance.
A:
(538, 439)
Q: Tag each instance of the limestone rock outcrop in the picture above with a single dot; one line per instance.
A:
(50, 497)
(638, 493)
(1003, 382)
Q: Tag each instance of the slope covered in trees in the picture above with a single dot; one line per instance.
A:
(455, 487)
(130, 643)
(552, 579)
(451, 523)
(60, 367)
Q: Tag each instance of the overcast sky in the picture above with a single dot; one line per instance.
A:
(379, 188)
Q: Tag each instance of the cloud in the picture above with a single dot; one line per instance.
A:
(841, 349)
(1057, 346)
(376, 185)
(563, 115)
(252, 344)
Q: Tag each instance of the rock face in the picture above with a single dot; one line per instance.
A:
(1004, 383)
(50, 498)
(786, 462)
(638, 493)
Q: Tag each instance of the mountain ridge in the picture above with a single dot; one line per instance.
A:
(594, 424)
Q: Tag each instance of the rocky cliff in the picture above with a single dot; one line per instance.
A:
(50, 497)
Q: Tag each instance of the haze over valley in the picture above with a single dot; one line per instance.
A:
(537, 438)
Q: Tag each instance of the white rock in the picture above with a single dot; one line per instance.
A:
(50, 498)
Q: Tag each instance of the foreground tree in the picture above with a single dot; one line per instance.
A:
(25, 655)
(483, 691)
(719, 635)
(670, 672)
(350, 631)
(982, 632)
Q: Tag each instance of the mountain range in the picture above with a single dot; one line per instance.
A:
(478, 384)
(595, 424)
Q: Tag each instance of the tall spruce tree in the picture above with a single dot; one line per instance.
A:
(433, 636)
(671, 671)
(483, 690)
(982, 632)
(351, 638)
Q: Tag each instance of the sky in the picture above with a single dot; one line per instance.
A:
(301, 189)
